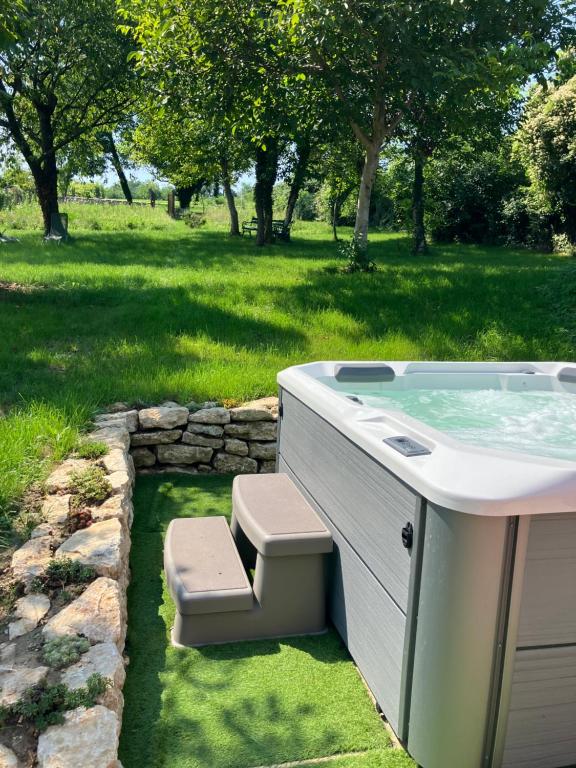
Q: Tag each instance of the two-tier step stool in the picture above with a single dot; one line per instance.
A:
(273, 531)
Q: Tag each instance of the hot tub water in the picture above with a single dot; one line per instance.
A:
(541, 423)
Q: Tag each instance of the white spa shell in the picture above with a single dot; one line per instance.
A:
(455, 475)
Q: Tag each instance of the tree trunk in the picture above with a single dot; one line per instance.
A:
(365, 193)
(335, 216)
(419, 232)
(115, 158)
(46, 183)
(303, 149)
(570, 222)
(184, 195)
(266, 171)
(234, 223)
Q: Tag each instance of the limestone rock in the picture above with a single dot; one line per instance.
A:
(112, 436)
(118, 407)
(18, 628)
(13, 682)
(214, 430)
(265, 451)
(163, 417)
(128, 419)
(224, 462)
(119, 507)
(7, 758)
(118, 461)
(88, 738)
(31, 559)
(211, 442)
(99, 614)
(7, 656)
(121, 482)
(30, 610)
(59, 480)
(246, 413)
(204, 468)
(156, 438)
(255, 430)
(143, 457)
(267, 467)
(183, 454)
(269, 403)
(55, 509)
(237, 447)
(44, 529)
(210, 416)
(103, 659)
(103, 545)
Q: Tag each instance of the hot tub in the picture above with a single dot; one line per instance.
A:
(450, 492)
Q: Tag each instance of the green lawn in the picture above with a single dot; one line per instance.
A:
(232, 706)
(140, 307)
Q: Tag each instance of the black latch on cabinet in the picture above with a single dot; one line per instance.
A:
(408, 535)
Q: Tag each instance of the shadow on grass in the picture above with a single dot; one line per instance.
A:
(445, 302)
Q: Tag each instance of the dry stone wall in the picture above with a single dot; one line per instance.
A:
(197, 438)
(202, 438)
(88, 737)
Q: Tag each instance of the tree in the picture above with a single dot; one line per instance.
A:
(376, 57)
(224, 57)
(189, 151)
(111, 151)
(65, 76)
(478, 115)
(546, 142)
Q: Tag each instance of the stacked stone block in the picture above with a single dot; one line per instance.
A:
(205, 438)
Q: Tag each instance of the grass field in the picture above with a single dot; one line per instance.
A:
(232, 706)
(140, 307)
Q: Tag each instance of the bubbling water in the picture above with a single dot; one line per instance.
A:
(534, 422)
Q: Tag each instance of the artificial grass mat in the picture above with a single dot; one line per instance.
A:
(238, 705)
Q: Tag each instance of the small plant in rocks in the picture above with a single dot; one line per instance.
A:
(43, 705)
(63, 572)
(92, 450)
(89, 486)
(78, 519)
(60, 652)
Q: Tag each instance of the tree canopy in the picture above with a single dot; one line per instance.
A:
(65, 75)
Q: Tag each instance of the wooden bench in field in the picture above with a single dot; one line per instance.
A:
(279, 228)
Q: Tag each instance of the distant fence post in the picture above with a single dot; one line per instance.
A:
(172, 204)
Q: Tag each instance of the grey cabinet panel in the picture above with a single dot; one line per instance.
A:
(368, 621)
(548, 611)
(343, 480)
(542, 719)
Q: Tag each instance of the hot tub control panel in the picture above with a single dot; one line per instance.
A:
(406, 446)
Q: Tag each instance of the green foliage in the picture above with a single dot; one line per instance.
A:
(356, 254)
(91, 450)
(63, 572)
(60, 652)
(546, 142)
(89, 486)
(35, 435)
(562, 245)
(466, 191)
(43, 705)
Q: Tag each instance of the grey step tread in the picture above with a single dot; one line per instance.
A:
(276, 517)
(203, 568)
